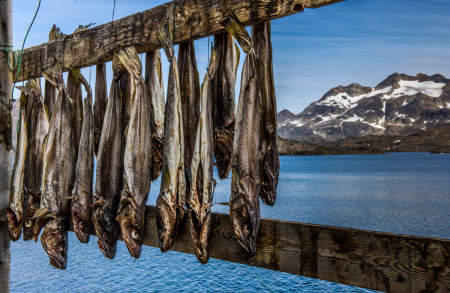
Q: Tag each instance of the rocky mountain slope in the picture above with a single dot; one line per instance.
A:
(400, 105)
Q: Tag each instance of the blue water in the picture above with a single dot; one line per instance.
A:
(402, 193)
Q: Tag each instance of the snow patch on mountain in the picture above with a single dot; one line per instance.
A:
(399, 105)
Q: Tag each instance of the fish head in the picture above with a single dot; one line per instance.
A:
(200, 232)
(81, 222)
(245, 213)
(131, 224)
(106, 230)
(14, 225)
(29, 228)
(54, 242)
(165, 223)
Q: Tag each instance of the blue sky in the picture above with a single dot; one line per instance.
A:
(352, 41)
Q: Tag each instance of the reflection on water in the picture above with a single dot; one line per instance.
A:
(401, 193)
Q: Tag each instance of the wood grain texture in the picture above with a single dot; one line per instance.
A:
(193, 19)
(374, 260)
(5, 139)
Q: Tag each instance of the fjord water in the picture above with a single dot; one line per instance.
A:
(405, 193)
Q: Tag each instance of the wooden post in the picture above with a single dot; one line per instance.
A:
(5, 137)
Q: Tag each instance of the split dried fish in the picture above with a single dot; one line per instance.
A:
(224, 101)
(171, 199)
(201, 190)
(82, 192)
(74, 91)
(50, 91)
(99, 103)
(154, 83)
(37, 131)
(245, 185)
(137, 158)
(190, 97)
(270, 169)
(15, 207)
(109, 171)
(58, 175)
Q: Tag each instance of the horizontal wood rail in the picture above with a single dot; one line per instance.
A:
(193, 19)
(374, 260)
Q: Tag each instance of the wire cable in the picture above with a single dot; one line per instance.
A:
(23, 46)
(114, 10)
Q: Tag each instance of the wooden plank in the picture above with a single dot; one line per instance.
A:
(193, 19)
(374, 260)
(5, 137)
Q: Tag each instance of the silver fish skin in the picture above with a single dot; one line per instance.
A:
(190, 97)
(245, 184)
(155, 87)
(109, 172)
(223, 85)
(99, 103)
(15, 209)
(37, 131)
(137, 158)
(270, 169)
(201, 190)
(58, 175)
(82, 197)
(74, 91)
(172, 196)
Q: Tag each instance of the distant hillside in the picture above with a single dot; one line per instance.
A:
(400, 105)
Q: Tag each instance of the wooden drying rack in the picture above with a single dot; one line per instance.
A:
(375, 260)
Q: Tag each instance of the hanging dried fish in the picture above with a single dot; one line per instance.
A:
(75, 94)
(202, 187)
(224, 105)
(37, 130)
(50, 91)
(245, 185)
(57, 175)
(108, 182)
(82, 191)
(99, 103)
(171, 199)
(190, 97)
(270, 160)
(154, 83)
(137, 158)
(125, 93)
(15, 207)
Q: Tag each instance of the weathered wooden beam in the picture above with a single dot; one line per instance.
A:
(5, 137)
(193, 19)
(375, 260)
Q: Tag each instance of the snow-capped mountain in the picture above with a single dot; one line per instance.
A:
(399, 105)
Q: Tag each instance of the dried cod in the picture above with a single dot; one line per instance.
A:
(82, 192)
(224, 101)
(137, 157)
(201, 190)
(171, 199)
(154, 83)
(109, 170)
(37, 130)
(270, 169)
(99, 103)
(75, 94)
(245, 184)
(15, 209)
(57, 175)
(190, 97)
